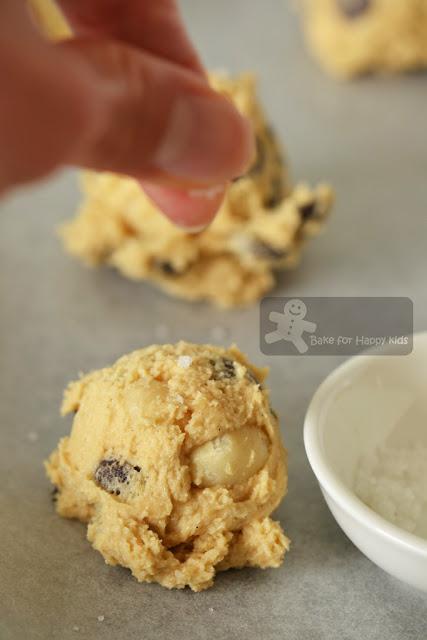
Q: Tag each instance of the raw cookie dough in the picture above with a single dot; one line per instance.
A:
(175, 462)
(352, 37)
(260, 228)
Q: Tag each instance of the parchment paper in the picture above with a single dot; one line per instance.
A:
(58, 318)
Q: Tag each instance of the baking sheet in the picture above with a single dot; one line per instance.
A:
(58, 318)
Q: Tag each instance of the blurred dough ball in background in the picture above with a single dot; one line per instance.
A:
(354, 37)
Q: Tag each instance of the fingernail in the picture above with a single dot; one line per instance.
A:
(209, 194)
(189, 213)
(206, 139)
(192, 229)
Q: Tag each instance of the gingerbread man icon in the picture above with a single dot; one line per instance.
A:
(291, 325)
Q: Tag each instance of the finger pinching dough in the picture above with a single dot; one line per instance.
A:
(352, 37)
(260, 228)
(175, 462)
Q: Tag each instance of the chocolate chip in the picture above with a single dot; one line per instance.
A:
(137, 468)
(110, 474)
(276, 194)
(354, 8)
(265, 251)
(266, 148)
(54, 494)
(261, 158)
(252, 377)
(223, 369)
(167, 268)
(308, 210)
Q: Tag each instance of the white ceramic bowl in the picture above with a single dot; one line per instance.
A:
(359, 405)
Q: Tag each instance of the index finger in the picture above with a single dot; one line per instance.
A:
(153, 25)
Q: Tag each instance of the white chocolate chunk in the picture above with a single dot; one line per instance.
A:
(230, 459)
(184, 361)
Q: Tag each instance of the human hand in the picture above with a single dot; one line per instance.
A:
(127, 94)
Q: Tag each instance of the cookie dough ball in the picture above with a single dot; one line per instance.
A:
(352, 37)
(175, 462)
(260, 228)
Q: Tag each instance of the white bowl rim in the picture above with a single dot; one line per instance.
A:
(330, 481)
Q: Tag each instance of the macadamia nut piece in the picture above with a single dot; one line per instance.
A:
(230, 459)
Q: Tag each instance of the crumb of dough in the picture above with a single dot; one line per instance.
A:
(50, 19)
(175, 491)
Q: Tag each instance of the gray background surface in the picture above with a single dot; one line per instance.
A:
(369, 140)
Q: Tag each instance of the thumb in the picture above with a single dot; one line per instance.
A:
(162, 124)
